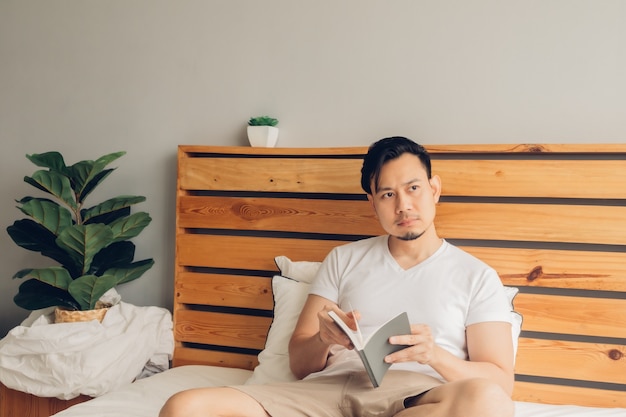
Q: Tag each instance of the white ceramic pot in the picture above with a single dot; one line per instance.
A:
(263, 136)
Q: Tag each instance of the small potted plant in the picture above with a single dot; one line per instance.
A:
(262, 131)
(91, 244)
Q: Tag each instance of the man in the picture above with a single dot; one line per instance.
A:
(459, 355)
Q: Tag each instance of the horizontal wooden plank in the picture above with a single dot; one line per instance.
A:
(533, 222)
(490, 221)
(224, 290)
(534, 178)
(280, 214)
(247, 252)
(21, 404)
(572, 315)
(192, 356)
(275, 175)
(200, 151)
(517, 267)
(529, 148)
(560, 394)
(556, 268)
(572, 360)
(221, 329)
(480, 148)
(473, 177)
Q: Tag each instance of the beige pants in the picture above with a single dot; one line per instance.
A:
(350, 395)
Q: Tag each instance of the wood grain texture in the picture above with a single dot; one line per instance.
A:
(221, 329)
(571, 360)
(533, 178)
(573, 315)
(224, 290)
(560, 394)
(189, 356)
(549, 219)
(20, 404)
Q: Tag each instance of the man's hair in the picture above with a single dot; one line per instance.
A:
(385, 150)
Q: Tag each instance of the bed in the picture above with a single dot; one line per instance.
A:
(551, 219)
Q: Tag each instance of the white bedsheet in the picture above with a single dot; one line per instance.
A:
(145, 397)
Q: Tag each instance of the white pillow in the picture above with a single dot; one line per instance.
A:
(301, 271)
(516, 318)
(289, 297)
(290, 289)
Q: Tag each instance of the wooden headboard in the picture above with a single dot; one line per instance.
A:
(551, 219)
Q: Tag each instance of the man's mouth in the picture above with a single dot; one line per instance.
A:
(406, 221)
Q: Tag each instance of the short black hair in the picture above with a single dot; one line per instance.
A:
(385, 150)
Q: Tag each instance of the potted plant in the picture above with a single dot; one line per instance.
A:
(91, 244)
(262, 131)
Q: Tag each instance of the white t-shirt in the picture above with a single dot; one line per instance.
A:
(448, 291)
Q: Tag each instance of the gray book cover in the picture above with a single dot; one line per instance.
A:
(377, 346)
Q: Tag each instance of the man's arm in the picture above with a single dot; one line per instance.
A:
(313, 336)
(490, 350)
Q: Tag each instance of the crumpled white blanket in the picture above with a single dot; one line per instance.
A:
(65, 360)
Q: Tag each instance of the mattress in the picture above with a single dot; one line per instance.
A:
(145, 397)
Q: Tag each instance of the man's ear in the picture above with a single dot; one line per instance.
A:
(435, 185)
(370, 198)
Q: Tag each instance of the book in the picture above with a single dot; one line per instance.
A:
(373, 350)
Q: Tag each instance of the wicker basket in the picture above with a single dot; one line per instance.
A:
(62, 315)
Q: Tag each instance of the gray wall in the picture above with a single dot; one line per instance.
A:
(92, 77)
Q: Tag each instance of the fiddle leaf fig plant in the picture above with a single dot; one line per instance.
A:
(90, 244)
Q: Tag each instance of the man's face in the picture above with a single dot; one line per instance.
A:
(405, 198)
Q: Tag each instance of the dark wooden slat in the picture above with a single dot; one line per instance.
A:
(192, 356)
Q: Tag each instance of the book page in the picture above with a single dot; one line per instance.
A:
(355, 336)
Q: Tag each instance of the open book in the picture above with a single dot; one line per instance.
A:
(373, 350)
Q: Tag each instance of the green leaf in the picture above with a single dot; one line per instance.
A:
(262, 121)
(134, 271)
(34, 295)
(32, 236)
(53, 183)
(112, 205)
(87, 174)
(47, 213)
(129, 227)
(116, 255)
(83, 242)
(89, 288)
(52, 160)
(54, 276)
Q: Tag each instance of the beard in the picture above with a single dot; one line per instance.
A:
(410, 236)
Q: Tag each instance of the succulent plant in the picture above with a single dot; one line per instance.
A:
(262, 121)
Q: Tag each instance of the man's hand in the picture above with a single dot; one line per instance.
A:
(420, 344)
(330, 333)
